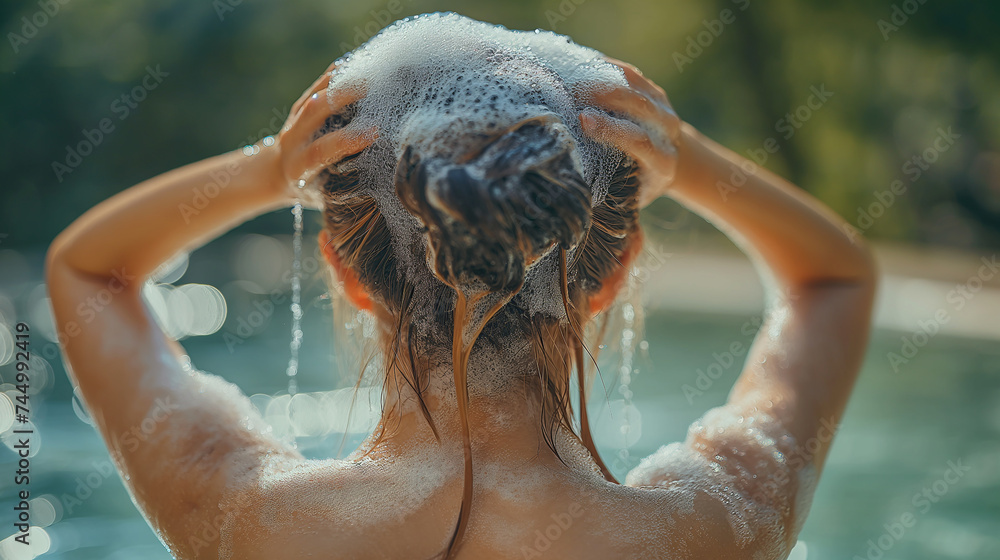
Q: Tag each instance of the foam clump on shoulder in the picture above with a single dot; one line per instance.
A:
(442, 84)
(746, 463)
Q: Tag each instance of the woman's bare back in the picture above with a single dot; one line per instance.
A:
(370, 510)
(694, 499)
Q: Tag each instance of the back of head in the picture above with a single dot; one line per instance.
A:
(482, 216)
(494, 211)
(481, 172)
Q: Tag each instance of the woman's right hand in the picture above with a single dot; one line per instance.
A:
(653, 144)
(302, 155)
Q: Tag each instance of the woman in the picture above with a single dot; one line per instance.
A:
(482, 289)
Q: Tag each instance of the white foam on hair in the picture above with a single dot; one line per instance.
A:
(442, 82)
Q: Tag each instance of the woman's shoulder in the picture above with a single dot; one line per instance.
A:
(741, 477)
(350, 508)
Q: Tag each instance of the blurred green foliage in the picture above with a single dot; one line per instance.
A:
(899, 71)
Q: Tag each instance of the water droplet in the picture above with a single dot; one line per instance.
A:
(296, 306)
(628, 312)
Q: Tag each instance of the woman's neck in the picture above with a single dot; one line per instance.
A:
(504, 415)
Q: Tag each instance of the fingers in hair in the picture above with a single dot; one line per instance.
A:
(626, 136)
(636, 79)
(630, 101)
(320, 106)
(337, 145)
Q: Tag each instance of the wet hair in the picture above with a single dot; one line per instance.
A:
(500, 218)
(488, 231)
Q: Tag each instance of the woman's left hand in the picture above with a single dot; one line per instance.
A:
(302, 155)
(652, 143)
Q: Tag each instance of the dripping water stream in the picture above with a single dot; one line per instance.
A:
(296, 306)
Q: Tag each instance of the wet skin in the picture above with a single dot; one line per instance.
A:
(798, 375)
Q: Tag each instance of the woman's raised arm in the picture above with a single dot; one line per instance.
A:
(181, 439)
(769, 441)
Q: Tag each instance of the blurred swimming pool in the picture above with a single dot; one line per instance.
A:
(904, 431)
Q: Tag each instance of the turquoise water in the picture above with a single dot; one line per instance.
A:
(902, 433)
